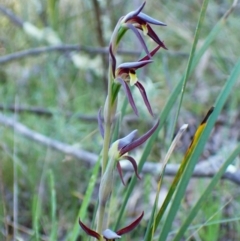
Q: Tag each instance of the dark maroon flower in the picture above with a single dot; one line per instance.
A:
(121, 147)
(108, 234)
(126, 74)
(138, 20)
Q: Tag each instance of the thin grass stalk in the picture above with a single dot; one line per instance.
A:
(215, 222)
(53, 13)
(3, 209)
(15, 181)
(53, 235)
(35, 216)
(191, 57)
(151, 222)
(151, 225)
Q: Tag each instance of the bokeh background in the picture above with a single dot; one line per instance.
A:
(57, 92)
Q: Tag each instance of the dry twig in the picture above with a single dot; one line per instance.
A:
(68, 48)
(49, 113)
(203, 169)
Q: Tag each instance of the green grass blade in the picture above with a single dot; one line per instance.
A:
(214, 222)
(197, 151)
(83, 209)
(149, 233)
(53, 13)
(36, 210)
(208, 191)
(53, 235)
(190, 60)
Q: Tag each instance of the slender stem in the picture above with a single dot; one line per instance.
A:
(109, 105)
(105, 191)
(109, 110)
(101, 211)
(107, 132)
(106, 143)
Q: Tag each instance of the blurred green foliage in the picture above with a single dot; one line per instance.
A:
(52, 81)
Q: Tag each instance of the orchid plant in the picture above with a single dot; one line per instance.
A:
(124, 75)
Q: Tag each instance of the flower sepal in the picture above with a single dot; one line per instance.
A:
(108, 234)
(139, 20)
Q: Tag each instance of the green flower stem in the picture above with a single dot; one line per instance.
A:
(109, 113)
(108, 122)
(106, 143)
(101, 211)
(110, 103)
(105, 191)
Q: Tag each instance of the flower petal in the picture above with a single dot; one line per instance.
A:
(152, 53)
(131, 226)
(89, 231)
(144, 96)
(126, 140)
(120, 173)
(130, 26)
(100, 122)
(134, 65)
(139, 141)
(149, 19)
(134, 13)
(134, 164)
(151, 33)
(128, 94)
(108, 234)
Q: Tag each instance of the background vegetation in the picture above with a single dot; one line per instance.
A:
(46, 187)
